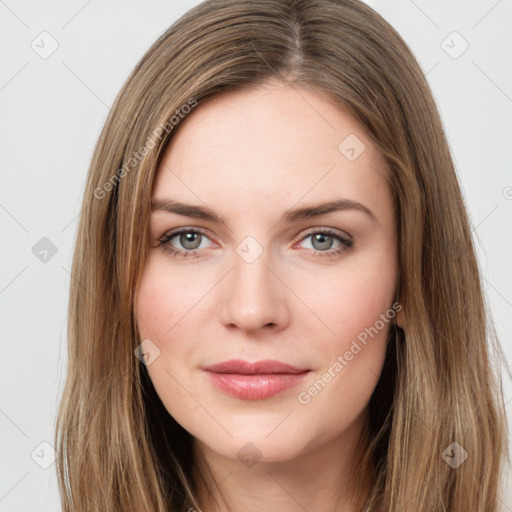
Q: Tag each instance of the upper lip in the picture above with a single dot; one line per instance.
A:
(239, 366)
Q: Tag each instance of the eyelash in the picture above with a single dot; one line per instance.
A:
(346, 244)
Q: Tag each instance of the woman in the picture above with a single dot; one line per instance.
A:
(276, 302)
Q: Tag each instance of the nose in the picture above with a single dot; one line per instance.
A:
(254, 296)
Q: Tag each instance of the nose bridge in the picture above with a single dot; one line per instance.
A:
(254, 295)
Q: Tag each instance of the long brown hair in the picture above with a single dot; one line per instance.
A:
(118, 448)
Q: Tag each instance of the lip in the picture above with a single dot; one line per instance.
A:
(254, 381)
(268, 366)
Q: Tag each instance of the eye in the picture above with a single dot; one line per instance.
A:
(189, 239)
(322, 240)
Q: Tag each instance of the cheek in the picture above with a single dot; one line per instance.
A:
(354, 345)
(158, 312)
(361, 318)
(153, 308)
(354, 300)
(161, 318)
(162, 300)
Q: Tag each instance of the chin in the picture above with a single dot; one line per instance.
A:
(255, 444)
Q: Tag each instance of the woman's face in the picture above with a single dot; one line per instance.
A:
(271, 281)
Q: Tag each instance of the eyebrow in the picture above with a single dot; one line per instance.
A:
(293, 215)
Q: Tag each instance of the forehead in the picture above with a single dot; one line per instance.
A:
(272, 142)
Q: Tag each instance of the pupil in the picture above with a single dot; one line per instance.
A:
(190, 243)
(321, 237)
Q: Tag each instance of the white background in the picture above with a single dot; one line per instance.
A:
(52, 111)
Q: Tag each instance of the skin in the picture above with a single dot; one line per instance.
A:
(250, 156)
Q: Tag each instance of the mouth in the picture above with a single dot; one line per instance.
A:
(254, 381)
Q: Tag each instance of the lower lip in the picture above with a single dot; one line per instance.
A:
(255, 387)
